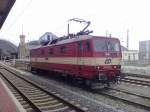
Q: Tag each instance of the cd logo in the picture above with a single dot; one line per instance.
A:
(108, 60)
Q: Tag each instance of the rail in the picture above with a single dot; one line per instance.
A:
(33, 94)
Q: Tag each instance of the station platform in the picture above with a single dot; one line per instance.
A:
(8, 103)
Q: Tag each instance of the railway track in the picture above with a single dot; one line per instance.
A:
(35, 98)
(127, 97)
(137, 75)
(116, 94)
(136, 80)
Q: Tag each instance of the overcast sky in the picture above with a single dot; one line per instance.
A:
(113, 16)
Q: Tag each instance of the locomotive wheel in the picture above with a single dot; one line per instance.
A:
(75, 81)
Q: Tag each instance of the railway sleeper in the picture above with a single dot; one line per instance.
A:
(43, 101)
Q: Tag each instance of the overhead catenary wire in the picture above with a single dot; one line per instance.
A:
(17, 17)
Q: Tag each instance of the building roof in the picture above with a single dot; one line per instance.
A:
(124, 48)
(5, 7)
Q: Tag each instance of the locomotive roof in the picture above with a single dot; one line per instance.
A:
(75, 39)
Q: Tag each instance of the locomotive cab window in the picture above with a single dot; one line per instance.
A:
(106, 45)
(113, 46)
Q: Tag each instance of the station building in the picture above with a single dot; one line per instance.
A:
(144, 50)
(129, 55)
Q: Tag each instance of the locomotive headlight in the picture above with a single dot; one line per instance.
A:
(98, 67)
(115, 67)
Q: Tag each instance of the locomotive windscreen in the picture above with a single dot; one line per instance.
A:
(106, 45)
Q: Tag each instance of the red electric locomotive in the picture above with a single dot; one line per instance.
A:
(94, 59)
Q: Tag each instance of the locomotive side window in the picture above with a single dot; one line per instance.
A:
(50, 51)
(62, 49)
(87, 46)
(80, 46)
(42, 52)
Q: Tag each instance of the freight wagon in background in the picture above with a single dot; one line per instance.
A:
(93, 59)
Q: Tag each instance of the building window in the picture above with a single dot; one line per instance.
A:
(48, 37)
(129, 58)
(134, 57)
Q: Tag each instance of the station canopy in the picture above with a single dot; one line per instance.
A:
(5, 7)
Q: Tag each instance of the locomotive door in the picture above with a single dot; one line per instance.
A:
(84, 51)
